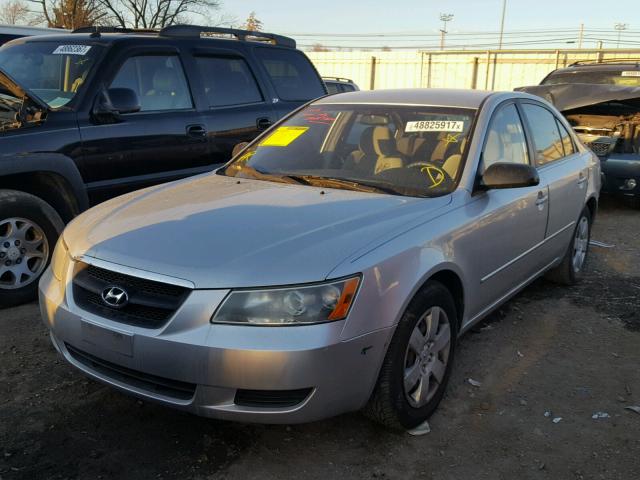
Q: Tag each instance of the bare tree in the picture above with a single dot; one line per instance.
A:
(253, 23)
(16, 12)
(71, 13)
(154, 14)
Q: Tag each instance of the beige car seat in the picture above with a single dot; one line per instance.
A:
(452, 164)
(376, 152)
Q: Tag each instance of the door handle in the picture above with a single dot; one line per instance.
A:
(263, 123)
(582, 179)
(542, 199)
(196, 131)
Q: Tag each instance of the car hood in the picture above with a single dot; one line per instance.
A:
(217, 232)
(18, 91)
(567, 96)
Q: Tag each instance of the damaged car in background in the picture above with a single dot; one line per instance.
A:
(606, 117)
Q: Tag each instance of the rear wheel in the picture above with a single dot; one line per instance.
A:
(29, 229)
(571, 269)
(417, 365)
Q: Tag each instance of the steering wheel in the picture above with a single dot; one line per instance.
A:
(421, 164)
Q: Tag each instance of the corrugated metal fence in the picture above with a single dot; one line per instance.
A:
(490, 70)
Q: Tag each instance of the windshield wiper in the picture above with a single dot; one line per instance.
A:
(351, 184)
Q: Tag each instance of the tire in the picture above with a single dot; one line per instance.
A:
(402, 407)
(29, 230)
(568, 273)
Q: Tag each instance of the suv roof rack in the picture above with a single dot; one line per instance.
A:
(338, 79)
(191, 31)
(607, 60)
(97, 30)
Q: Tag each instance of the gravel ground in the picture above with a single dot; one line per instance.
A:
(569, 352)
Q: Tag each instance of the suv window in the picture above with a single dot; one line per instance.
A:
(546, 137)
(505, 140)
(158, 80)
(291, 74)
(228, 81)
(567, 143)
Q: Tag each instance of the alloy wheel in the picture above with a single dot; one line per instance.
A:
(426, 357)
(580, 244)
(24, 251)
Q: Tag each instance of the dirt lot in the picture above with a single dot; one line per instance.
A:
(571, 352)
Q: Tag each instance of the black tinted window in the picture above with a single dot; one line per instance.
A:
(332, 88)
(228, 81)
(291, 74)
(544, 130)
(158, 80)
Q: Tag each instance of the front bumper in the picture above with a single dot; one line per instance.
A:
(193, 365)
(617, 169)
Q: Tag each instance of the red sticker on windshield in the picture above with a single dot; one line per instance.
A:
(316, 115)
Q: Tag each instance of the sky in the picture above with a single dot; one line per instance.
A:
(413, 16)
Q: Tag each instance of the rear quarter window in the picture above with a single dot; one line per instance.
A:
(291, 74)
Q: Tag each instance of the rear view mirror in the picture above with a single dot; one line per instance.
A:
(238, 148)
(114, 102)
(509, 175)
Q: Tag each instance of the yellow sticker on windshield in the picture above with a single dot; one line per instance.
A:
(283, 136)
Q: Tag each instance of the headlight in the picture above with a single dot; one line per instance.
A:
(301, 305)
(60, 259)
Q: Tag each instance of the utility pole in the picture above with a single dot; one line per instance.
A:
(444, 18)
(620, 27)
(504, 12)
(581, 35)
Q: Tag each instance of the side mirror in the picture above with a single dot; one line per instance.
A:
(509, 175)
(238, 148)
(114, 102)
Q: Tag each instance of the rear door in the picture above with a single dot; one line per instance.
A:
(231, 101)
(164, 141)
(293, 80)
(563, 168)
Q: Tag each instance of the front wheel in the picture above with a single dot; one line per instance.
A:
(571, 269)
(416, 368)
(29, 229)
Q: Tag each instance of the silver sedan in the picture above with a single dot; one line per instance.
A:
(332, 264)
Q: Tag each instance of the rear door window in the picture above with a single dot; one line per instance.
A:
(567, 143)
(228, 81)
(291, 73)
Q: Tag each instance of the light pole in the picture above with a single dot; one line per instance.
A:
(504, 12)
(444, 18)
(620, 27)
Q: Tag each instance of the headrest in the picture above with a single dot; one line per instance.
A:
(383, 142)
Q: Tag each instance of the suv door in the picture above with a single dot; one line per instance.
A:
(509, 224)
(564, 169)
(164, 141)
(293, 79)
(233, 106)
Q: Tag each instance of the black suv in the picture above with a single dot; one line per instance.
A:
(93, 114)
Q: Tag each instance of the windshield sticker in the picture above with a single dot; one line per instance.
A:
(72, 50)
(631, 73)
(436, 175)
(435, 126)
(315, 115)
(283, 136)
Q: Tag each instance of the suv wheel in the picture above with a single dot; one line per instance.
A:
(417, 366)
(29, 229)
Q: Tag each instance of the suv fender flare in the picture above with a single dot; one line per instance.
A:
(56, 163)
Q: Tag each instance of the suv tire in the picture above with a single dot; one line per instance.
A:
(29, 230)
(398, 401)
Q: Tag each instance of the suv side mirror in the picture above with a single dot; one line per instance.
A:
(509, 175)
(114, 102)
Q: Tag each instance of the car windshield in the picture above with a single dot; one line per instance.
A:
(401, 150)
(54, 71)
(623, 78)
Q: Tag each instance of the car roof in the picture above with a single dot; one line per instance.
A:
(445, 97)
(599, 67)
(28, 31)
